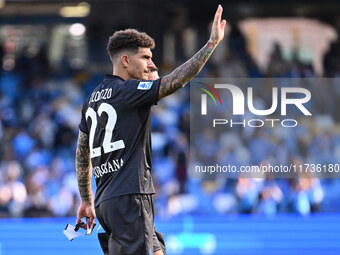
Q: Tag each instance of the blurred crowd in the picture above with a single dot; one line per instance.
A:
(40, 112)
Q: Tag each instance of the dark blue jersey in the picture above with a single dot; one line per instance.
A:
(116, 116)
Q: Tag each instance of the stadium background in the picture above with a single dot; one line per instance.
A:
(53, 54)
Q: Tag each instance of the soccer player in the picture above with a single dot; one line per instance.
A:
(114, 139)
(158, 240)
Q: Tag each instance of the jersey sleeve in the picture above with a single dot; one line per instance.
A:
(142, 93)
(83, 125)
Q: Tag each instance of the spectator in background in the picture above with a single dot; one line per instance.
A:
(277, 66)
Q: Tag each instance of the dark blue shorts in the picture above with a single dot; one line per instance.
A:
(129, 223)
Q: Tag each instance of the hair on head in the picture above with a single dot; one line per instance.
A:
(128, 39)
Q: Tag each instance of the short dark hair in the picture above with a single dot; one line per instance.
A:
(128, 39)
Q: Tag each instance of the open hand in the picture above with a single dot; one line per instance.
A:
(218, 26)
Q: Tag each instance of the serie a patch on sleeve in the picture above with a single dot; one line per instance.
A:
(145, 85)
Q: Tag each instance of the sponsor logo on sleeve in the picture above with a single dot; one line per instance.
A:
(145, 85)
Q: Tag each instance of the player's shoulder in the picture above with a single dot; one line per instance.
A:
(131, 83)
(140, 84)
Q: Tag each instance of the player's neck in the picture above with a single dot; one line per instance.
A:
(121, 73)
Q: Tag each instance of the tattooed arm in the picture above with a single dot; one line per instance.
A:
(186, 72)
(84, 175)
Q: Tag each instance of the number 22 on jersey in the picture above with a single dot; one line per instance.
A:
(108, 146)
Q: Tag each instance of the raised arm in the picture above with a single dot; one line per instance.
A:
(186, 72)
(84, 176)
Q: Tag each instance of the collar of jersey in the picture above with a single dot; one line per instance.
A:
(110, 77)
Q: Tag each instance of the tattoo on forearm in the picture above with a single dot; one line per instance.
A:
(183, 74)
(83, 167)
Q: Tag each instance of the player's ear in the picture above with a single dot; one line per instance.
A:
(124, 59)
